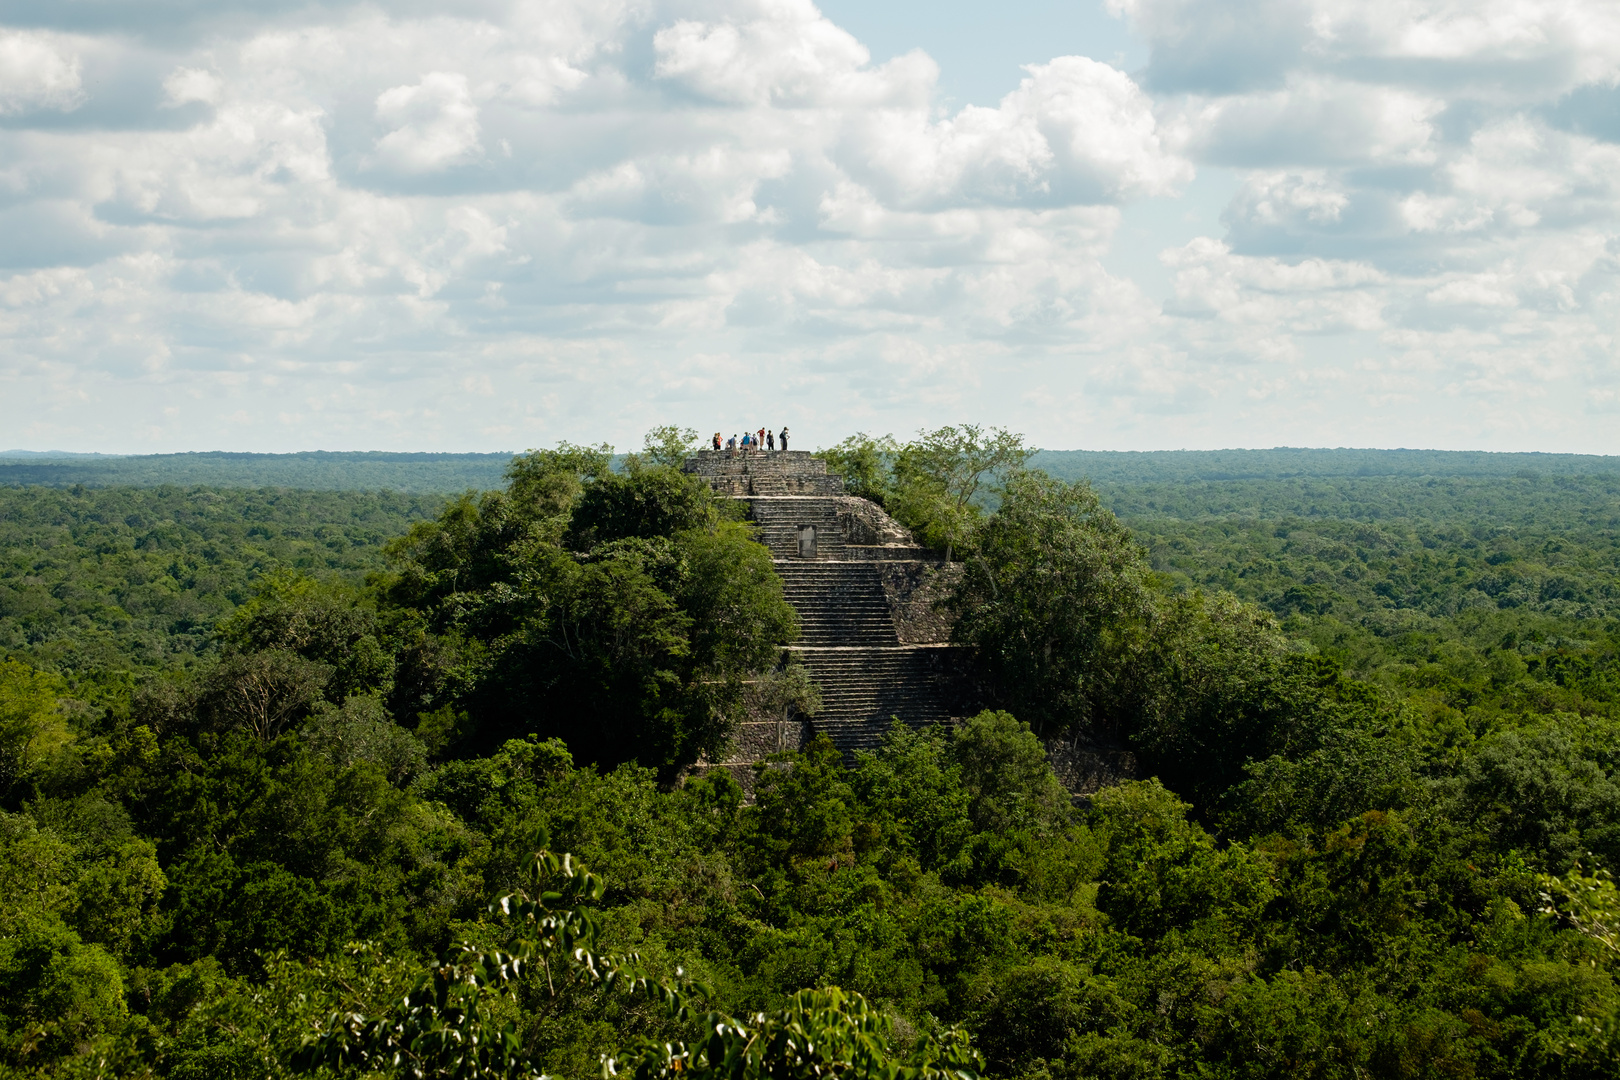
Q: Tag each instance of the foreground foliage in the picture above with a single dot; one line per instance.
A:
(443, 1027)
(946, 879)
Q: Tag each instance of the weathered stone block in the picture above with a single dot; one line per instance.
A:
(917, 592)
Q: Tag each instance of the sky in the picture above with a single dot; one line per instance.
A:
(497, 224)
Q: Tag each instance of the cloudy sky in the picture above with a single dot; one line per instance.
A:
(493, 224)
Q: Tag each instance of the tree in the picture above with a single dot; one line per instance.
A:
(321, 622)
(1056, 602)
(644, 502)
(626, 627)
(263, 693)
(1218, 687)
(1587, 902)
(1535, 792)
(940, 478)
(598, 655)
(32, 728)
(446, 1027)
(801, 812)
(466, 548)
(780, 695)
(668, 445)
(637, 650)
(731, 591)
(1006, 775)
(821, 1033)
(866, 464)
(545, 484)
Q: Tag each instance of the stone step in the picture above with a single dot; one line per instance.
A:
(809, 613)
(871, 632)
(838, 603)
(767, 474)
(799, 488)
(780, 519)
(788, 462)
(853, 568)
(864, 689)
(868, 615)
(849, 635)
(745, 486)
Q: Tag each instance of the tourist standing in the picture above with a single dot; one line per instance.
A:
(770, 440)
(783, 439)
(717, 440)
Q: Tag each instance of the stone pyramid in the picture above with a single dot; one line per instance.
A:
(873, 638)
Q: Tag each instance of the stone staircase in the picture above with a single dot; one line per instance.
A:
(849, 644)
(781, 518)
(839, 603)
(865, 689)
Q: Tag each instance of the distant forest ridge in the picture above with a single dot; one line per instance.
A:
(314, 470)
(1286, 462)
(323, 470)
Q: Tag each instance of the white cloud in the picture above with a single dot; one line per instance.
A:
(789, 56)
(434, 123)
(1582, 40)
(1484, 290)
(1074, 131)
(1278, 296)
(241, 164)
(1311, 120)
(192, 84)
(1502, 49)
(37, 71)
(438, 225)
(1274, 199)
(717, 185)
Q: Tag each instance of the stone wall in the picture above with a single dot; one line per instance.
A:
(1086, 767)
(755, 740)
(916, 591)
(865, 523)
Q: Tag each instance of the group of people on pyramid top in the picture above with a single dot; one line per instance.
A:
(763, 439)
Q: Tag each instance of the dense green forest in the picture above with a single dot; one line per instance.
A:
(267, 756)
(94, 583)
(316, 470)
(1105, 467)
